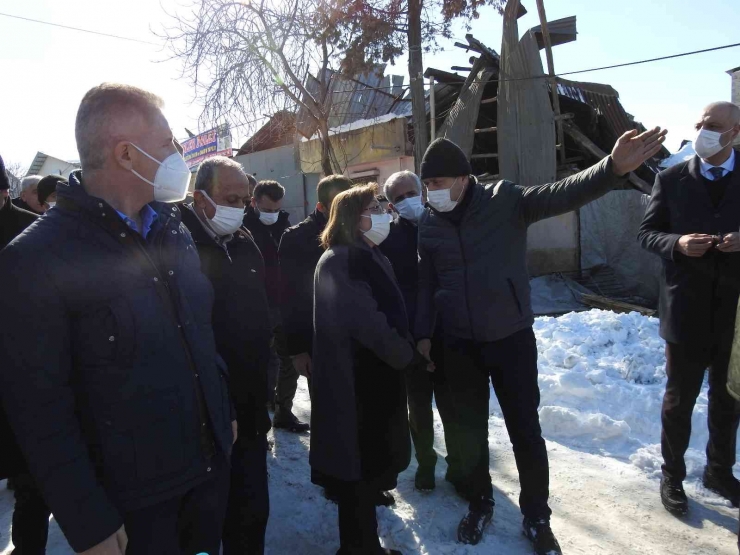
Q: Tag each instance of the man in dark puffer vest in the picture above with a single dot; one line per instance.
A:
(472, 270)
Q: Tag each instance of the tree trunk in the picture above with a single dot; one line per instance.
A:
(416, 71)
(326, 154)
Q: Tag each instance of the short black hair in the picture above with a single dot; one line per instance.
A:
(271, 189)
(4, 181)
(330, 186)
(381, 198)
(48, 186)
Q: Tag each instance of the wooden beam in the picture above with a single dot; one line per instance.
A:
(489, 155)
(553, 80)
(460, 68)
(591, 148)
(563, 117)
(486, 130)
(432, 109)
(597, 301)
(489, 100)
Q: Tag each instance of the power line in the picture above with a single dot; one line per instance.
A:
(78, 29)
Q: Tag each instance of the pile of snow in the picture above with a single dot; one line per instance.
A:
(602, 378)
(685, 153)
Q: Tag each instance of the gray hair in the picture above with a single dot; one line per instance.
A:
(397, 178)
(207, 172)
(100, 108)
(29, 181)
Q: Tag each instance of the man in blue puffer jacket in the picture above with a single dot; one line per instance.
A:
(120, 405)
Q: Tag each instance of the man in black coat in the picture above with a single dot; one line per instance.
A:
(473, 273)
(692, 223)
(13, 220)
(241, 325)
(267, 222)
(403, 190)
(117, 395)
(299, 252)
(28, 199)
(31, 514)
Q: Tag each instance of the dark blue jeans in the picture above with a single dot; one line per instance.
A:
(510, 365)
(249, 500)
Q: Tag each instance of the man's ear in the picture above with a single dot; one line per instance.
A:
(254, 202)
(392, 208)
(122, 155)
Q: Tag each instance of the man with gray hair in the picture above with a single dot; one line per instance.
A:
(404, 193)
(28, 199)
(241, 325)
(124, 415)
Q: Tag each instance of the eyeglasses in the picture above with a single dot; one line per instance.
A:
(377, 209)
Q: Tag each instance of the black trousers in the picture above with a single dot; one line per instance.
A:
(249, 501)
(188, 524)
(30, 518)
(685, 367)
(511, 366)
(358, 523)
(421, 388)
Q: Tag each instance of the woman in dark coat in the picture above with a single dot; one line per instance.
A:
(360, 435)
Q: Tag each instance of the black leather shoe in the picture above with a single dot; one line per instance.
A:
(424, 480)
(289, 422)
(384, 499)
(541, 536)
(471, 527)
(723, 483)
(673, 497)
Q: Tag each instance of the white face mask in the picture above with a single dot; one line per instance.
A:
(227, 218)
(381, 227)
(269, 218)
(410, 208)
(440, 200)
(708, 143)
(171, 180)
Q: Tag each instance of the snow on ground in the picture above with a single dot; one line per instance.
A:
(602, 378)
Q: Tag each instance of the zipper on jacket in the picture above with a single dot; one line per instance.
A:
(513, 294)
(465, 281)
(206, 435)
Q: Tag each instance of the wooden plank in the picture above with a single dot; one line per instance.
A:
(525, 116)
(489, 100)
(488, 155)
(486, 130)
(591, 148)
(459, 126)
(562, 117)
(553, 81)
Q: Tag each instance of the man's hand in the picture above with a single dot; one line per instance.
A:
(632, 149)
(695, 245)
(113, 545)
(730, 243)
(302, 363)
(234, 431)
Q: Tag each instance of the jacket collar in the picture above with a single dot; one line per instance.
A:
(73, 196)
(691, 175)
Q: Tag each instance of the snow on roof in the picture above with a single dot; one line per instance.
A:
(355, 125)
(685, 153)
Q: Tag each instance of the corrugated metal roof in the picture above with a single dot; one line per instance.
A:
(363, 97)
(604, 100)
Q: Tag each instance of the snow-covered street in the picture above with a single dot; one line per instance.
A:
(602, 378)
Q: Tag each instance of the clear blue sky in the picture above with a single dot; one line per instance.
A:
(47, 70)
